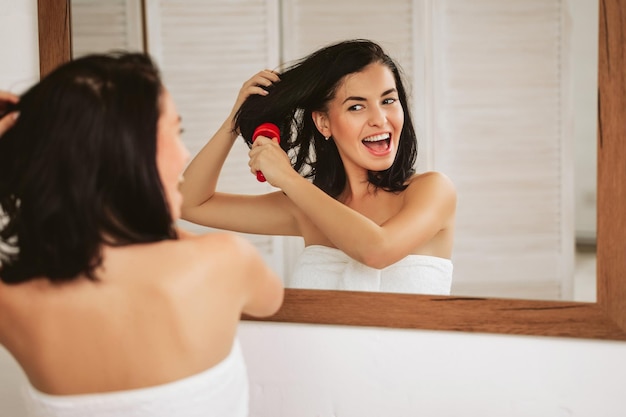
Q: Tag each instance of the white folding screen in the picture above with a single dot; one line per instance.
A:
(206, 50)
(308, 25)
(502, 131)
(101, 26)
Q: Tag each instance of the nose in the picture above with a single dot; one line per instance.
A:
(377, 116)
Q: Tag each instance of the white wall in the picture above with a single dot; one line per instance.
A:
(337, 371)
(19, 57)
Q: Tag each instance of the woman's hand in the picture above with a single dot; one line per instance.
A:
(267, 156)
(254, 85)
(7, 120)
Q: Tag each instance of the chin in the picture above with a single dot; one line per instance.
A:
(381, 166)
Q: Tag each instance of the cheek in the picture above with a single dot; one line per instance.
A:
(397, 119)
(345, 127)
(172, 156)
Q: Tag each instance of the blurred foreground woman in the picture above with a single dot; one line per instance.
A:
(109, 309)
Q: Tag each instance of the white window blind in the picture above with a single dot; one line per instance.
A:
(102, 26)
(502, 131)
(309, 25)
(206, 50)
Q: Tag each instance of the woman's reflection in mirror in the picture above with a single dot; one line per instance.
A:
(100, 293)
(344, 167)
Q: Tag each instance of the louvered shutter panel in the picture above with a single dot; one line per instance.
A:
(206, 50)
(308, 25)
(502, 131)
(102, 26)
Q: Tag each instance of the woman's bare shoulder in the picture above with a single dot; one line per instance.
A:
(237, 264)
(217, 244)
(431, 176)
(218, 254)
(432, 181)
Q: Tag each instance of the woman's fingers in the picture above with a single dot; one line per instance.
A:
(273, 155)
(7, 120)
(8, 97)
(256, 85)
(259, 83)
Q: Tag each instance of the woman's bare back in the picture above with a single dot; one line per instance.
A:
(158, 313)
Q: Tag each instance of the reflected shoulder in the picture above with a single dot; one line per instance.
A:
(219, 243)
(432, 178)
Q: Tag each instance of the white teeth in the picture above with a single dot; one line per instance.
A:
(376, 138)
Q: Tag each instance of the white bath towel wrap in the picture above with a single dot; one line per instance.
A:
(219, 391)
(326, 268)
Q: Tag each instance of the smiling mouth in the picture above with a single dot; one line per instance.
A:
(378, 143)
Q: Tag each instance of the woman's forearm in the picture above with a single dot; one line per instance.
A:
(425, 211)
(349, 230)
(202, 174)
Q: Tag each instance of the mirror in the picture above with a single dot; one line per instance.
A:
(509, 96)
(604, 319)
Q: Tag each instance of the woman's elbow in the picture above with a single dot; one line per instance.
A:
(377, 258)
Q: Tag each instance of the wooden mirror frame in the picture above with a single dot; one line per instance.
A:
(604, 319)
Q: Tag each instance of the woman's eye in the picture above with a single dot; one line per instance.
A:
(355, 107)
(389, 101)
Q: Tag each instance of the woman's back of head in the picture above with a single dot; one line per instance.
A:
(78, 168)
(307, 86)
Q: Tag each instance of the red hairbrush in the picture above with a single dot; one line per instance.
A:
(269, 130)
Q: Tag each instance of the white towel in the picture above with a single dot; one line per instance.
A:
(326, 268)
(219, 391)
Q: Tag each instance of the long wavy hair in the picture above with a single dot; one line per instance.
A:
(307, 86)
(78, 169)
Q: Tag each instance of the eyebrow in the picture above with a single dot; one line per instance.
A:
(357, 98)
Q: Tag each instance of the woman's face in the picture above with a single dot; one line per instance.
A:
(171, 153)
(365, 119)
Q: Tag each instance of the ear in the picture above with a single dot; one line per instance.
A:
(321, 122)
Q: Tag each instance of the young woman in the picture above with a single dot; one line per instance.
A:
(344, 167)
(109, 309)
